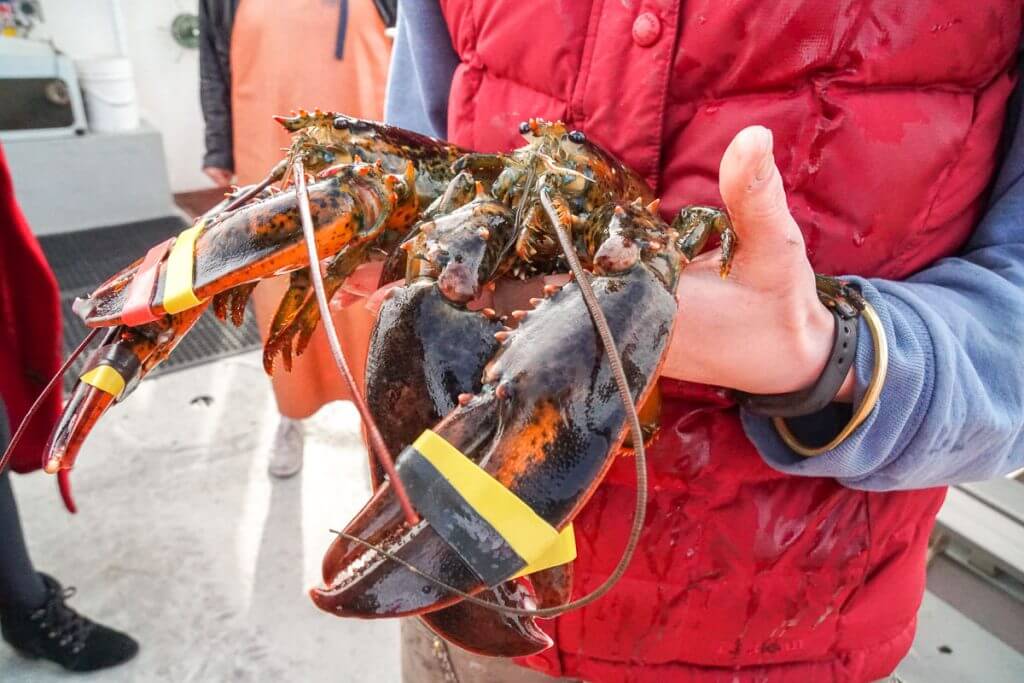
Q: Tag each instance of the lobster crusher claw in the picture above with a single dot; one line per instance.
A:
(494, 531)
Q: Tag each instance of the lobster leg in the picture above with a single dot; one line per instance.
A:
(298, 331)
(300, 290)
(695, 224)
(230, 305)
(239, 299)
(299, 287)
(126, 356)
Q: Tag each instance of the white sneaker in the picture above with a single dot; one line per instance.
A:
(286, 451)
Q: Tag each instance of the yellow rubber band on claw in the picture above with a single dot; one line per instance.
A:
(562, 552)
(178, 293)
(104, 378)
(526, 532)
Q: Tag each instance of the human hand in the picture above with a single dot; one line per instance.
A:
(221, 177)
(762, 329)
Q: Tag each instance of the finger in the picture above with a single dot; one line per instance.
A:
(219, 176)
(752, 189)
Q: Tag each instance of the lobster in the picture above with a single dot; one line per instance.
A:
(530, 408)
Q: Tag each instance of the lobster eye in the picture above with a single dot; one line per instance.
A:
(524, 127)
(578, 137)
(341, 123)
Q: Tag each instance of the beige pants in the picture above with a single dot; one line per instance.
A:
(428, 659)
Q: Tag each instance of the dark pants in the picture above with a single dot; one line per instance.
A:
(20, 585)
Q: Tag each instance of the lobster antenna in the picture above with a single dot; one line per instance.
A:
(250, 192)
(377, 445)
(639, 511)
(45, 392)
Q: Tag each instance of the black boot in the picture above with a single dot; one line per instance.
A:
(58, 633)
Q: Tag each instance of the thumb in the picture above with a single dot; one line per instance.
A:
(751, 187)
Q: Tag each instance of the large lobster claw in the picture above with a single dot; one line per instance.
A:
(536, 427)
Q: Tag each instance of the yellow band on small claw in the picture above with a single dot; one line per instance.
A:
(178, 293)
(104, 378)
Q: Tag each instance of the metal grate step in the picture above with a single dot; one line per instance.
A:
(82, 260)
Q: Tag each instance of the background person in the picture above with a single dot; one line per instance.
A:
(259, 58)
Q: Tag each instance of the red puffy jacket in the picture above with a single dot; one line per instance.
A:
(29, 330)
(886, 117)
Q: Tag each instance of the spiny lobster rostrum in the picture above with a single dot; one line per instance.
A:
(504, 424)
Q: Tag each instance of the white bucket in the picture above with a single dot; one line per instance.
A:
(109, 91)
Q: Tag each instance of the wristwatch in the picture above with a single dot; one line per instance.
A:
(848, 307)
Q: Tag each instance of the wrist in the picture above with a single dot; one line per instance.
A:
(815, 337)
(845, 393)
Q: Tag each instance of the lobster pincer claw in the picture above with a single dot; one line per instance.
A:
(695, 224)
(114, 369)
(489, 633)
(536, 428)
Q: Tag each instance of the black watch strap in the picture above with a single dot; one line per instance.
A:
(846, 305)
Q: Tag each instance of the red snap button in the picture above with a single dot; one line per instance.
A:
(646, 29)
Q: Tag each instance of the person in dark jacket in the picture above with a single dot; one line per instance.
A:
(215, 20)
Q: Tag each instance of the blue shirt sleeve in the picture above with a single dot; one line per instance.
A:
(952, 407)
(422, 65)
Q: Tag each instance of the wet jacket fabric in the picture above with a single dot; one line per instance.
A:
(886, 120)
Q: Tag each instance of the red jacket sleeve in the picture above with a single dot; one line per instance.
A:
(30, 327)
